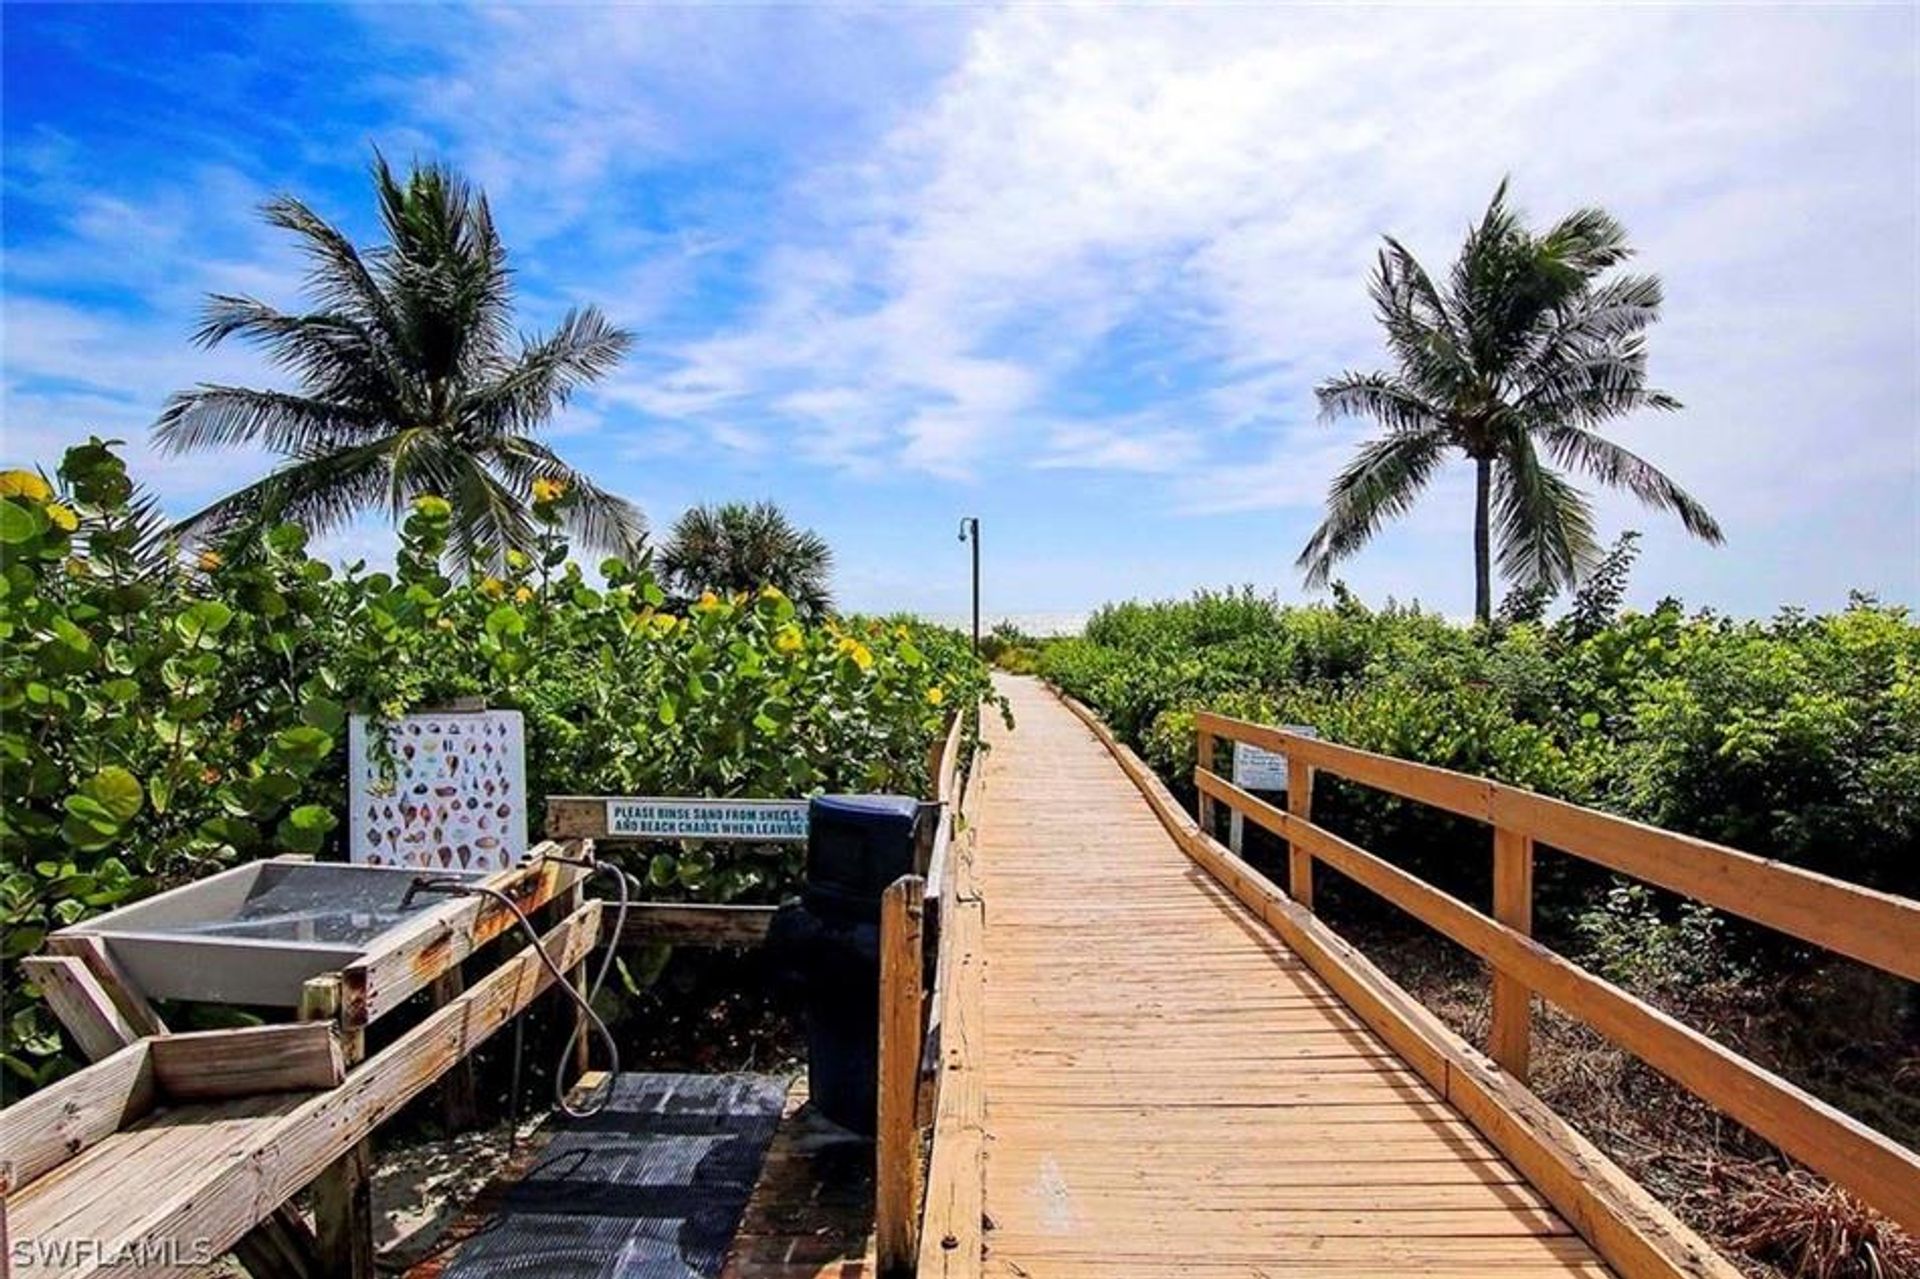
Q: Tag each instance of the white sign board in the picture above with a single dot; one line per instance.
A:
(453, 795)
(1257, 769)
(766, 820)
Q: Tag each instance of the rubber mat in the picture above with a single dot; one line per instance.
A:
(650, 1188)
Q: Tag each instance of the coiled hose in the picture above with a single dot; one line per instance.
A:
(582, 999)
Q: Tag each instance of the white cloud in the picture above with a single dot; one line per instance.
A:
(1230, 171)
(975, 242)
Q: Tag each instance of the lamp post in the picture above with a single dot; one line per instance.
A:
(970, 528)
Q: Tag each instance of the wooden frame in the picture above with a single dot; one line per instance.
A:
(694, 924)
(320, 1055)
(1882, 1172)
(221, 1202)
(412, 960)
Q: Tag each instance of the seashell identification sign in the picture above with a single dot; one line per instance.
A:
(438, 790)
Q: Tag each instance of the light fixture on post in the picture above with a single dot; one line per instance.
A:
(970, 527)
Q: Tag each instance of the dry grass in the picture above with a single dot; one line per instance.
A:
(1773, 1220)
(1814, 1230)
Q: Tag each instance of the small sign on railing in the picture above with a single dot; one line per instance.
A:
(1257, 769)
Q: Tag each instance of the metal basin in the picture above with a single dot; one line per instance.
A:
(254, 934)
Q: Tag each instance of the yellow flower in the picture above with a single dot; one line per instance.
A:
(862, 655)
(788, 639)
(523, 596)
(62, 518)
(24, 484)
(493, 588)
(548, 490)
(936, 695)
(210, 560)
(772, 592)
(708, 602)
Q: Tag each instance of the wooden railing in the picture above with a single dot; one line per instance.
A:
(922, 1032)
(1872, 927)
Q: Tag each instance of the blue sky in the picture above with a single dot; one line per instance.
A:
(1072, 270)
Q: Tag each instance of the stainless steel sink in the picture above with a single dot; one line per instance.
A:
(254, 934)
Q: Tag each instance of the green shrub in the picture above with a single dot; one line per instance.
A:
(1796, 738)
(163, 718)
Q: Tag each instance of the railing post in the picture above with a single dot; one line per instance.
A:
(1203, 756)
(897, 1178)
(343, 1192)
(1300, 805)
(1510, 1038)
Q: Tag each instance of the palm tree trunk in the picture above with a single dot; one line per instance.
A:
(1482, 567)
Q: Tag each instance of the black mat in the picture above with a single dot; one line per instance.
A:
(650, 1188)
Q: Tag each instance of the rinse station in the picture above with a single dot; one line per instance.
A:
(373, 983)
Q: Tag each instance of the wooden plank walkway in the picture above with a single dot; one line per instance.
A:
(1170, 1090)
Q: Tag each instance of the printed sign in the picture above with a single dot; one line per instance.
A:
(760, 820)
(451, 794)
(1257, 769)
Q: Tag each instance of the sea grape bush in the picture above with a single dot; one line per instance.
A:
(1796, 737)
(161, 717)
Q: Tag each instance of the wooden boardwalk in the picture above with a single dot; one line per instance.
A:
(1169, 1090)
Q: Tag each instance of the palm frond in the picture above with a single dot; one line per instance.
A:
(1381, 483)
(602, 520)
(1617, 466)
(1381, 397)
(321, 491)
(211, 416)
(1544, 525)
(1587, 242)
(584, 348)
(337, 276)
(1423, 334)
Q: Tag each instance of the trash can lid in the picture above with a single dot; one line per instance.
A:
(903, 806)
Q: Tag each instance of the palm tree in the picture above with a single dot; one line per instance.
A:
(737, 547)
(1516, 364)
(410, 381)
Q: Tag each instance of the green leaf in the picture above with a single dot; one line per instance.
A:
(116, 790)
(201, 623)
(323, 713)
(20, 523)
(305, 829)
(302, 747)
(505, 623)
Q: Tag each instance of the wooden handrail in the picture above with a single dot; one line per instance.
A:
(1876, 928)
(1882, 1172)
(953, 1194)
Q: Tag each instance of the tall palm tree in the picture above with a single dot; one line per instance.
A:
(1529, 349)
(410, 381)
(737, 547)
